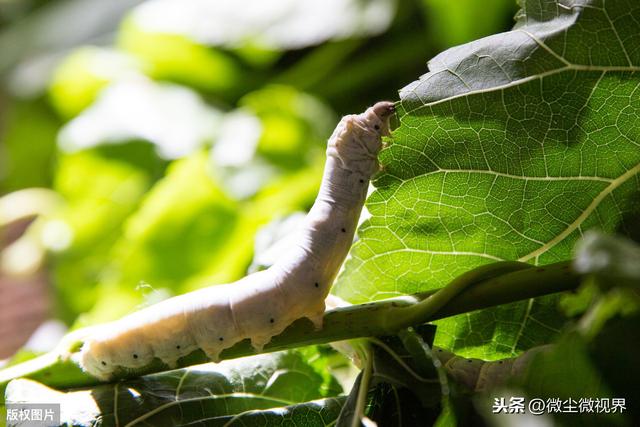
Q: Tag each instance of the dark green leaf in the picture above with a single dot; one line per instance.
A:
(244, 390)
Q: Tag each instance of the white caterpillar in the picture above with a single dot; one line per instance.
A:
(262, 304)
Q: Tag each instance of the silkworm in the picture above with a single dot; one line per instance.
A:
(261, 305)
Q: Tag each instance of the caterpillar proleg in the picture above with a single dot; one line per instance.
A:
(262, 304)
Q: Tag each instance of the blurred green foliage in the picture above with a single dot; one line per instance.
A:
(178, 224)
(28, 145)
(100, 194)
(461, 21)
(81, 76)
(177, 58)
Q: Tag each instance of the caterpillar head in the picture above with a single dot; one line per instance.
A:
(358, 137)
(379, 115)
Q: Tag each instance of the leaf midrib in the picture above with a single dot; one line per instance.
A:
(570, 67)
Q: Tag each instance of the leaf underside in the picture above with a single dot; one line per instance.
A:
(509, 148)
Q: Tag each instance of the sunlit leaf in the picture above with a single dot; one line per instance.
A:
(508, 149)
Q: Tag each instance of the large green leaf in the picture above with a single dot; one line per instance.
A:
(257, 390)
(508, 149)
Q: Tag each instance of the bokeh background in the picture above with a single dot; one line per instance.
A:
(148, 148)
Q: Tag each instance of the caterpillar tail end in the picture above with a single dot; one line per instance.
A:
(90, 364)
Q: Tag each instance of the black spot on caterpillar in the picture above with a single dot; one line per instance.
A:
(176, 327)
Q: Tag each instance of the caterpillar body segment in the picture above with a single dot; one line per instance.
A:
(263, 304)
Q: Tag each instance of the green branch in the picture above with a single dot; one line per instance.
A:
(483, 287)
